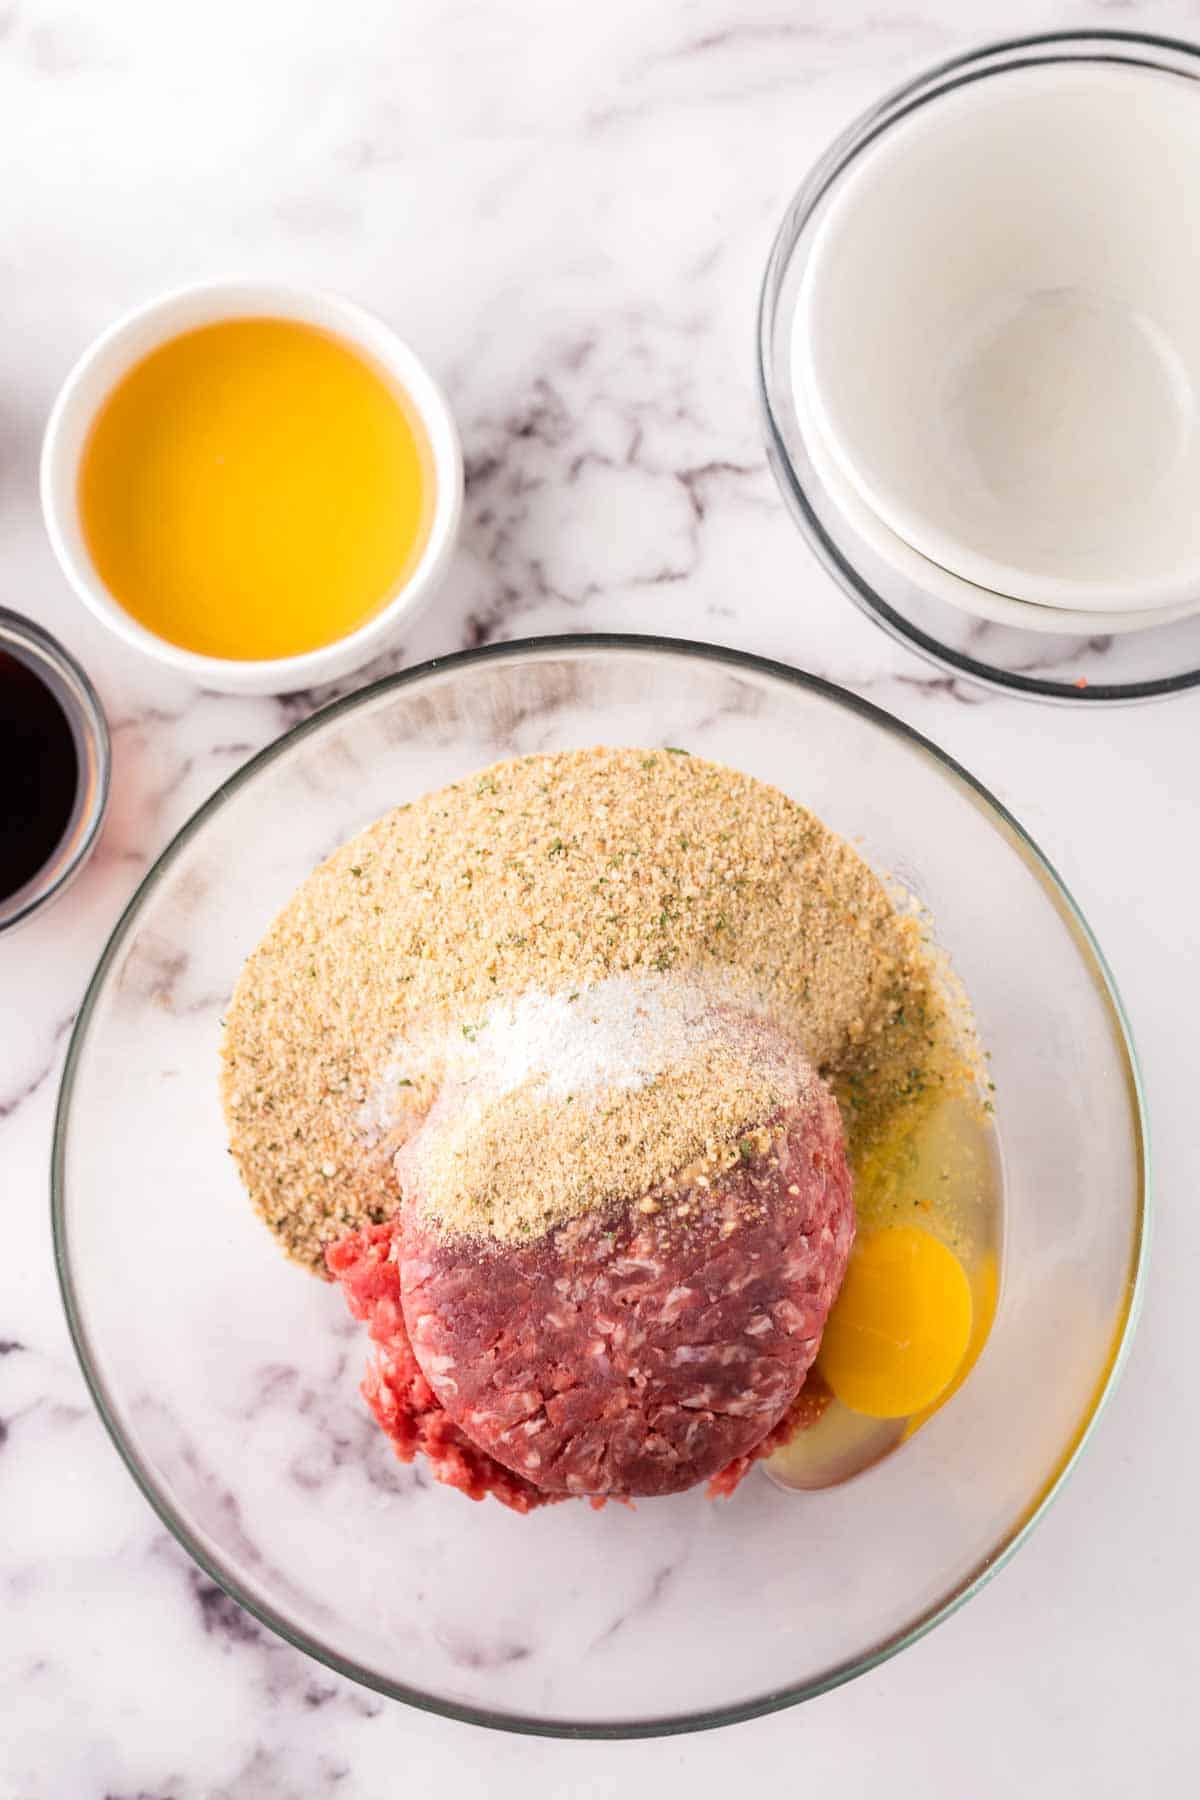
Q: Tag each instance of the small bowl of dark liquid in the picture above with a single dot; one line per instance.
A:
(54, 768)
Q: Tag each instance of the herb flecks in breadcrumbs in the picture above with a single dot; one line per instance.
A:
(556, 872)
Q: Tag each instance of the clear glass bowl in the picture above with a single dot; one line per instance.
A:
(228, 1378)
(1090, 666)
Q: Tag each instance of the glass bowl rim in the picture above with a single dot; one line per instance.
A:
(928, 86)
(777, 1699)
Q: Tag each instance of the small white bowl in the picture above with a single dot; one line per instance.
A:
(1001, 334)
(930, 578)
(116, 351)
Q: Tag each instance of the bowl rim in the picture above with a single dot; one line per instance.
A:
(586, 645)
(221, 299)
(1078, 44)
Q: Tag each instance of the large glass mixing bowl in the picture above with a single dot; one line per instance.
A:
(228, 1378)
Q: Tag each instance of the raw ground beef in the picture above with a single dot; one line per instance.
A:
(623, 1355)
(410, 1414)
(396, 1391)
(631, 1353)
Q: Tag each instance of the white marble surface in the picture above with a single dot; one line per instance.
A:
(567, 210)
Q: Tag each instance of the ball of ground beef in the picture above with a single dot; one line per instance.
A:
(409, 1412)
(638, 1352)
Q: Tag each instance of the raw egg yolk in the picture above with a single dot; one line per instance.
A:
(900, 1326)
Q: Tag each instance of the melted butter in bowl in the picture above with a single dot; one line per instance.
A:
(253, 484)
(255, 489)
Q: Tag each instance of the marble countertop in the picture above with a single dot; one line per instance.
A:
(567, 210)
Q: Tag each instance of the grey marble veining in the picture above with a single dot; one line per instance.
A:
(568, 212)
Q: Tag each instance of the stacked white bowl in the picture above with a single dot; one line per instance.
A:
(996, 355)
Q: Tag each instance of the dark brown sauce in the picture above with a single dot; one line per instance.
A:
(39, 774)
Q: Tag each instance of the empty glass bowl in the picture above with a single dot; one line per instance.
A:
(229, 1378)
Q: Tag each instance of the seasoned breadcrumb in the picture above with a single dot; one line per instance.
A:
(557, 872)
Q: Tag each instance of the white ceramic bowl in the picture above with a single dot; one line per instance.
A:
(133, 337)
(931, 578)
(1001, 337)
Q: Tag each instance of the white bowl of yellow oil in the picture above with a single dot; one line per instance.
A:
(256, 484)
